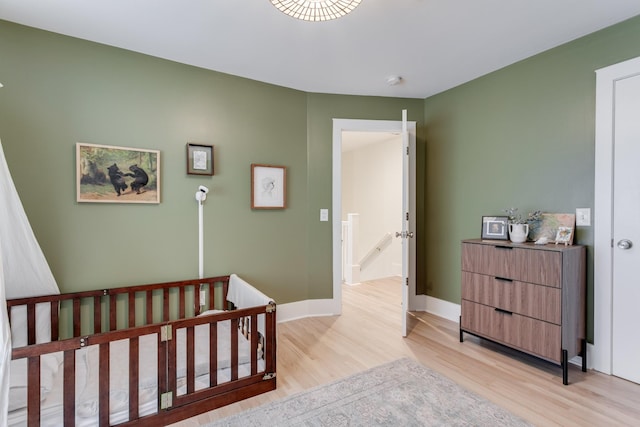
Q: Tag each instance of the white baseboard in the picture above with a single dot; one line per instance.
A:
(436, 306)
(330, 307)
(307, 308)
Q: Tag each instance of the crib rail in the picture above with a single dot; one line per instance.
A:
(97, 311)
(190, 402)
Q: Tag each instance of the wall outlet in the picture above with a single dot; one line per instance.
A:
(324, 214)
(583, 217)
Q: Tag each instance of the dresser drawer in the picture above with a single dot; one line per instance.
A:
(542, 267)
(521, 332)
(488, 259)
(528, 299)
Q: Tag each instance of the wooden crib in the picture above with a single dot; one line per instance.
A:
(145, 355)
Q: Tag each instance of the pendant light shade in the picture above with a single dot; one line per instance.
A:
(316, 10)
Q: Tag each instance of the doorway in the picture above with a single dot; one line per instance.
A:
(371, 205)
(346, 125)
(616, 232)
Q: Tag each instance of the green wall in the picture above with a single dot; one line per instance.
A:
(60, 90)
(522, 136)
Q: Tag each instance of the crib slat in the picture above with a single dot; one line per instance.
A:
(163, 386)
(213, 354)
(171, 366)
(69, 388)
(182, 302)
(165, 306)
(55, 322)
(76, 317)
(97, 315)
(254, 344)
(132, 309)
(191, 372)
(33, 391)
(31, 323)
(149, 307)
(212, 296)
(234, 349)
(112, 312)
(134, 365)
(103, 385)
(225, 290)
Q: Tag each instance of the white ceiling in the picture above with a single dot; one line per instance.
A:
(433, 44)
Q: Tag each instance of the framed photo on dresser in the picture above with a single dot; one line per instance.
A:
(495, 227)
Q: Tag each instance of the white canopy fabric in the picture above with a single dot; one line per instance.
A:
(5, 352)
(24, 271)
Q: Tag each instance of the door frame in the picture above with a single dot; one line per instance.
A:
(606, 78)
(340, 125)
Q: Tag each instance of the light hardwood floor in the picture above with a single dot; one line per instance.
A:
(316, 351)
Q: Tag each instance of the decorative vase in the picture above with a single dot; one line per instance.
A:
(518, 232)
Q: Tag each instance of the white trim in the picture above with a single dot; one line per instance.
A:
(600, 358)
(306, 308)
(328, 307)
(340, 125)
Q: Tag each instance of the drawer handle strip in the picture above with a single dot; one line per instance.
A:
(499, 310)
(503, 247)
(504, 279)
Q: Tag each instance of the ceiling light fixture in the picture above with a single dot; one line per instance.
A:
(316, 10)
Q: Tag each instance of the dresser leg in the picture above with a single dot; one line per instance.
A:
(565, 367)
(460, 329)
(584, 355)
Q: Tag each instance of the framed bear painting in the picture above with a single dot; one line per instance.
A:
(109, 174)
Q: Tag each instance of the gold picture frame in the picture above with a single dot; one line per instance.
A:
(100, 179)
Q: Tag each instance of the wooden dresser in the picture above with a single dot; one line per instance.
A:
(525, 296)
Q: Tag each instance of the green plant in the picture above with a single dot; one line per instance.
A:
(517, 218)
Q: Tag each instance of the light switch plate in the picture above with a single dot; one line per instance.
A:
(324, 214)
(583, 217)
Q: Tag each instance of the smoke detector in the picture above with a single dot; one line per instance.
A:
(393, 80)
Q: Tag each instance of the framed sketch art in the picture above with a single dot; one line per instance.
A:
(268, 187)
(495, 227)
(110, 174)
(199, 159)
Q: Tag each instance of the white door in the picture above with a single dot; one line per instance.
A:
(625, 352)
(408, 221)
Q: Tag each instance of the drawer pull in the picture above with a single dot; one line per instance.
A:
(499, 310)
(504, 279)
(504, 247)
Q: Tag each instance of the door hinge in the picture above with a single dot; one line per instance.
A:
(165, 333)
(407, 216)
(407, 151)
(407, 281)
(166, 400)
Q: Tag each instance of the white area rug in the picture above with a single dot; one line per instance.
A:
(399, 393)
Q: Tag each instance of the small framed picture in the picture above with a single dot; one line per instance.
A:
(564, 235)
(268, 187)
(199, 159)
(495, 227)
